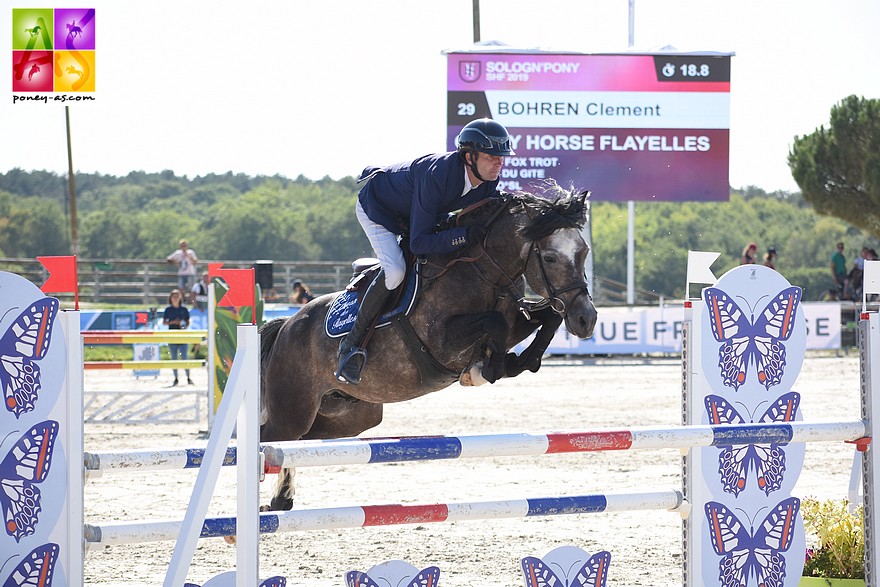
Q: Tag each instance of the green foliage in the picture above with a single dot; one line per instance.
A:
(838, 168)
(836, 538)
(665, 231)
(236, 217)
(31, 226)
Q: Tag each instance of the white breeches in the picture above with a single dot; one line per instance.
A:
(385, 247)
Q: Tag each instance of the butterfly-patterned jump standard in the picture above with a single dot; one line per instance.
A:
(749, 340)
(752, 553)
(25, 342)
(427, 577)
(766, 460)
(593, 573)
(36, 569)
(25, 465)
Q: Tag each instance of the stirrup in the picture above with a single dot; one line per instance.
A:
(348, 372)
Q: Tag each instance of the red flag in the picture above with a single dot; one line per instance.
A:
(214, 270)
(241, 287)
(62, 276)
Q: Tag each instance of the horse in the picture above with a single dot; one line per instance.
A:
(71, 70)
(469, 313)
(73, 30)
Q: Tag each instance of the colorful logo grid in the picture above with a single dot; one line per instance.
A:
(53, 49)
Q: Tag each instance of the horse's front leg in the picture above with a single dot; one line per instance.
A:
(490, 327)
(546, 322)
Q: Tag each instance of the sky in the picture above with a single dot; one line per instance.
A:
(325, 88)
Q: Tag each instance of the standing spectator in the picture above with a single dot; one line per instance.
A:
(856, 275)
(838, 270)
(300, 294)
(185, 258)
(176, 317)
(770, 258)
(198, 295)
(749, 254)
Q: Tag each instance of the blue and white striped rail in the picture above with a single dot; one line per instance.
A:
(390, 515)
(416, 448)
(354, 451)
(97, 463)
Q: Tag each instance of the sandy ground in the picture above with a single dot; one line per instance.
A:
(564, 395)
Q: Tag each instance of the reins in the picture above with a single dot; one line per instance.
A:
(552, 300)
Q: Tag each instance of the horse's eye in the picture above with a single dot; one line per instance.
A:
(549, 258)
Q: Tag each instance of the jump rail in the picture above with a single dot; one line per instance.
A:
(145, 406)
(392, 514)
(356, 451)
(146, 365)
(105, 337)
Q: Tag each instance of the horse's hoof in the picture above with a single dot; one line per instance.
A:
(473, 376)
(229, 540)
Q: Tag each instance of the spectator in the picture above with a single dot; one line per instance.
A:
(176, 317)
(856, 275)
(198, 295)
(770, 258)
(749, 254)
(300, 293)
(838, 270)
(185, 259)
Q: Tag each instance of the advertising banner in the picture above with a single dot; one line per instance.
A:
(628, 330)
(626, 127)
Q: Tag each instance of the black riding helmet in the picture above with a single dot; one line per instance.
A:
(483, 135)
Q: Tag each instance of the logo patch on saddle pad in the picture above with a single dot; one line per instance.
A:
(343, 310)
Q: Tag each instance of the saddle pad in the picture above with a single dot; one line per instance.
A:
(343, 310)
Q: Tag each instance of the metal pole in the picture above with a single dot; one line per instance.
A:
(476, 21)
(631, 210)
(71, 188)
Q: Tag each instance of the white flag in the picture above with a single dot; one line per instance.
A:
(871, 278)
(699, 269)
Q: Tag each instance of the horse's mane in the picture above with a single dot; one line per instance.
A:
(555, 208)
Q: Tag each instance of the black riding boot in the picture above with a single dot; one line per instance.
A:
(352, 356)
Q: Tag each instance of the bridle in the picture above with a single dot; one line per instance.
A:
(552, 300)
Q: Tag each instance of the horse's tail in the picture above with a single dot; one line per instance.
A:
(268, 336)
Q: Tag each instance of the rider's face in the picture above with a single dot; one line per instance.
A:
(489, 166)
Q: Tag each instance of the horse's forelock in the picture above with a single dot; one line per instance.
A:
(568, 211)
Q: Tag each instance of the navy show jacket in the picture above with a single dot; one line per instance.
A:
(422, 193)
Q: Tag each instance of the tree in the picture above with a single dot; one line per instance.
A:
(838, 168)
(32, 226)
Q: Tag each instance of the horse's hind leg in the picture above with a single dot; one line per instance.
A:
(284, 490)
(338, 417)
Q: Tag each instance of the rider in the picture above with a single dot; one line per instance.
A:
(418, 195)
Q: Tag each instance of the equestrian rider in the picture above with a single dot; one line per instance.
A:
(418, 195)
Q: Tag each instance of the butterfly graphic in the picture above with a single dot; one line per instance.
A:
(427, 577)
(26, 341)
(755, 341)
(767, 460)
(36, 569)
(26, 464)
(593, 573)
(276, 581)
(754, 553)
